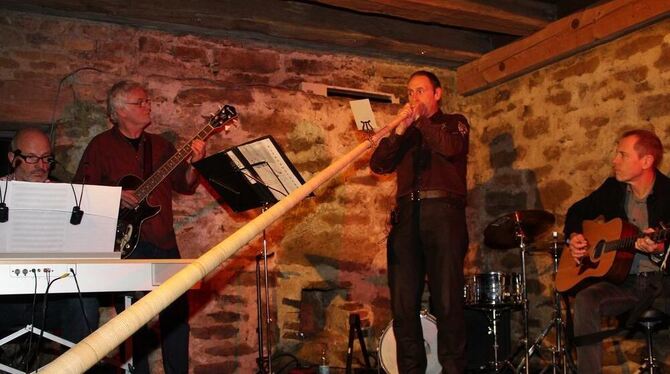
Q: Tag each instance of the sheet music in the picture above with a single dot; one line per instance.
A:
(39, 219)
(363, 115)
(239, 165)
(276, 174)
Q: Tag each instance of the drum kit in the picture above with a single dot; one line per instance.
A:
(497, 292)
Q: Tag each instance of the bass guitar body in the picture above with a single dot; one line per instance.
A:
(130, 220)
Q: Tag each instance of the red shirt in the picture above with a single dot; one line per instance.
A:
(109, 157)
(431, 155)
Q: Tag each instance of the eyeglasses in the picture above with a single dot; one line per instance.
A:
(142, 102)
(31, 159)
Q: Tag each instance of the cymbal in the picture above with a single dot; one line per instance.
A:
(502, 233)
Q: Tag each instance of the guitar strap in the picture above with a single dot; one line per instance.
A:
(148, 164)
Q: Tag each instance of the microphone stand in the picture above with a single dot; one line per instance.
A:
(264, 361)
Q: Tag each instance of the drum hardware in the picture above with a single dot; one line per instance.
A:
(519, 229)
(493, 293)
(387, 346)
(559, 361)
(356, 330)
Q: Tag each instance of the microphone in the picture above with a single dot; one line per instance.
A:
(4, 213)
(77, 213)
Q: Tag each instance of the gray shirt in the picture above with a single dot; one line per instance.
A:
(636, 211)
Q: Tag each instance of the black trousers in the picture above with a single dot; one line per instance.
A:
(607, 299)
(429, 237)
(173, 322)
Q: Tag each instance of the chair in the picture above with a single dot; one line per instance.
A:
(650, 319)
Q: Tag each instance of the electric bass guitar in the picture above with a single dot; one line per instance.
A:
(609, 255)
(130, 219)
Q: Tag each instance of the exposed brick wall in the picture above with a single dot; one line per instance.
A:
(333, 240)
(541, 141)
(545, 140)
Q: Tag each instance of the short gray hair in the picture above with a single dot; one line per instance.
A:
(114, 97)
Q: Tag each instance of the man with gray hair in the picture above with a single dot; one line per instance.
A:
(127, 149)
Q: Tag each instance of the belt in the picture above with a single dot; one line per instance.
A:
(431, 194)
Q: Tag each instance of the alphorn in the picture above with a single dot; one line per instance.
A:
(96, 346)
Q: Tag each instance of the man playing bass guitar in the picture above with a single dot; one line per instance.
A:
(639, 195)
(126, 149)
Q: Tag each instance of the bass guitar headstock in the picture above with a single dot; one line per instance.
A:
(225, 117)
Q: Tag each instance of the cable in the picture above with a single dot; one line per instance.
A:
(4, 211)
(44, 318)
(77, 213)
(81, 301)
(26, 358)
(52, 122)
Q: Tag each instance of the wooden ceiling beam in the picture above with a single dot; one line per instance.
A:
(560, 39)
(285, 22)
(513, 17)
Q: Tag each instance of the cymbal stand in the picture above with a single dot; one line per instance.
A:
(558, 351)
(521, 235)
(558, 354)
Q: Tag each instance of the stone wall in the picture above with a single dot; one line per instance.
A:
(329, 251)
(539, 142)
(545, 140)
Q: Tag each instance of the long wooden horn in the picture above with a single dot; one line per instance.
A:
(102, 341)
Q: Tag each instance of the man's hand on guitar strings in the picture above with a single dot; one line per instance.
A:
(646, 245)
(578, 244)
(129, 199)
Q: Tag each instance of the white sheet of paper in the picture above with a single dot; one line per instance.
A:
(363, 115)
(39, 219)
(276, 173)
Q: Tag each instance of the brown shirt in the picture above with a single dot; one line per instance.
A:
(109, 157)
(430, 155)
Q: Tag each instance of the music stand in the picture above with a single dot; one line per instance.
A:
(252, 175)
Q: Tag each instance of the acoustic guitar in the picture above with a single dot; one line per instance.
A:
(609, 255)
(130, 220)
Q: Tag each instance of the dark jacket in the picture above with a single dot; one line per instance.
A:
(609, 201)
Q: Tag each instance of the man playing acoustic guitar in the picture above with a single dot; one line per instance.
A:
(126, 149)
(638, 194)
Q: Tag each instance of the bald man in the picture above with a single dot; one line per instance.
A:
(30, 156)
(31, 160)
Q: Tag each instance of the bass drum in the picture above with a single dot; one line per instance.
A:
(387, 348)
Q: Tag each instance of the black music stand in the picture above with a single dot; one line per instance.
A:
(252, 175)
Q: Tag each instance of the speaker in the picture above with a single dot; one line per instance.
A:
(479, 345)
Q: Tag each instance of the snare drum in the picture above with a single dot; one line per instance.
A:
(387, 348)
(494, 289)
